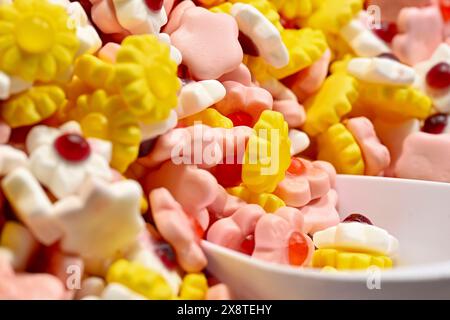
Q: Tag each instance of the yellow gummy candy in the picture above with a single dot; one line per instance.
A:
(139, 279)
(106, 117)
(268, 201)
(36, 40)
(305, 46)
(33, 105)
(293, 9)
(340, 260)
(147, 77)
(194, 287)
(338, 146)
(394, 103)
(209, 117)
(267, 155)
(333, 101)
(95, 73)
(332, 15)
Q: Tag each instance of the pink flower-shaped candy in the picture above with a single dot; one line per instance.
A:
(304, 181)
(321, 213)
(208, 42)
(175, 226)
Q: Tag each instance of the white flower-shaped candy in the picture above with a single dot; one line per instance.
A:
(153, 130)
(175, 54)
(195, 97)
(362, 40)
(382, 71)
(263, 34)
(357, 237)
(299, 141)
(62, 159)
(441, 98)
(136, 17)
(11, 158)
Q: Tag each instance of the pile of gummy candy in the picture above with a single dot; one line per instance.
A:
(127, 128)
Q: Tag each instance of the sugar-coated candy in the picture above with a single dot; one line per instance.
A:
(140, 279)
(175, 226)
(357, 237)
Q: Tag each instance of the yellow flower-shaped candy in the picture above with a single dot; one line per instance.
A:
(331, 103)
(95, 73)
(33, 105)
(147, 77)
(305, 46)
(332, 15)
(106, 117)
(293, 9)
(209, 117)
(394, 103)
(341, 260)
(210, 3)
(338, 146)
(267, 156)
(268, 201)
(194, 287)
(36, 41)
(139, 279)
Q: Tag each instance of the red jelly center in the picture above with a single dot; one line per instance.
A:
(435, 124)
(165, 253)
(445, 9)
(241, 118)
(439, 76)
(228, 175)
(297, 167)
(154, 5)
(248, 46)
(72, 147)
(248, 245)
(298, 249)
(356, 217)
(386, 31)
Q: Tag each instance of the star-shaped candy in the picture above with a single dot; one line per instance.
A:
(102, 220)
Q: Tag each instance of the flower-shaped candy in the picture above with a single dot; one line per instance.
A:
(208, 42)
(104, 116)
(267, 155)
(237, 231)
(280, 238)
(175, 226)
(147, 77)
(294, 9)
(38, 41)
(421, 32)
(240, 99)
(62, 159)
(304, 181)
(33, 105)
(321, 213)
(179, 178)
(439, 95)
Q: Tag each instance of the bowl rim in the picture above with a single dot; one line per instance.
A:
(404, 274)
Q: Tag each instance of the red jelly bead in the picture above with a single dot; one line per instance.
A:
(240, 118)
(248, 46)
(288, 23)
(154, 5)
(72, 147)
(228, 174)
(298, 249)
(387, 31)
(248, 245)
(356, 217)
(165, 253)
(297, 167)
(435, 124)
(439, 76)
(445, 9)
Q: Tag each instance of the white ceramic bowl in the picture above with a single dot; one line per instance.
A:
(417, 213)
